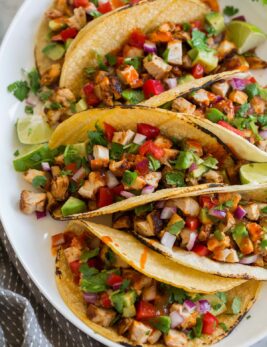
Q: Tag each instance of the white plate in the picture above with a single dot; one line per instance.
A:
(31, 238)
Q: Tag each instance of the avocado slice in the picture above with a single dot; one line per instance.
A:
(186, 79)
(199, 171)
(216, 21)
(129, 312)
(162, 323)
(239, 233)
(77, 150)
(56, 25)
(81, 105)
(73, 206)
(218, 306)
(205, 57)
(54, 51)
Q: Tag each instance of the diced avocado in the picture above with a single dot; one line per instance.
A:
(129, 298)
(206, 58)
(73, 206)
(239, 232)
(185, 160)
(216, 21)
(204, 217)
(124, 301)
(78, 149)
(129, 312)
(54, 51)
(175, 224)
(214, 115)
(186, 79)
(56, 25)
(199, 171)
(81, 105)
(68, 43)
(218, 306)
(162, 323)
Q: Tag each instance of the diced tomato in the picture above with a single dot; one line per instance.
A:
(152, 87)
(114, 280)
(105, 300)
(252, 80)
(142, 167)
(210, 323)
(104, 6)
(201, 250)
(197, 24)
(145, 310)
(80, 3)
(137, 38)
(207, 201)
(91, 98)
(148, 130)
(109, 131)
(105, 197)
(71, 167)
(192, 223)
(118, 189)
(75, 267)
(150, 148)
(68, 33)
(231, 128)
(58, 239)
(198, 71)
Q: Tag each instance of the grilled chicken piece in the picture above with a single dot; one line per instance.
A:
(139, 332)
(153, 178)
(253, 211)
(53, 13)
(123, 222)
(226, 255)
(220, 88)
(103, 88)
(234, 63)
(225, 48)
(119, 167)
(204, 232)
(138, 184)
(203, 97)
(64, 96)
(258, 104)
(90, 187)
(175, 338)
(55, 171)
(138, 280)
(51, 202)
(150, 293)
(233, 197)
(51, 75)
(115, 87)
(72, 254)
(175, 54)
(101, 316)
(185, 236)
(169, 154)
(123, 137)
(227, 107)
(63, 6)
(256, 63)
(78, 20)
(30, 175)
(143, 228)
(132, 52)
(129, 76)
(213, 176)
(154, 221)
(238, 97)
(31, 202)
(182, 105)
(59, 160)
(214, 244)
(154, 337)
(163, 142)
(59, 187)
(189, 206)
(230, 222)
(124, 325)
(156, 66)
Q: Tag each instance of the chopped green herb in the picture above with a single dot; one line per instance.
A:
(101, 63)
(135, 62)
(55, 106)
(39, 181)
(133, 96)
(87, 271)
(175, 294)
(111, 59)
(28, 109)
(131, 148)
(89, 71)
(125, 285)
(263, 244)
(116, 151)
(243, 109)
(97, 137)
(95, 14)
(186, 26)
(95, 283)
(175, 178)
(197, 330)
(34, 81)
(223, 326)
(86, 255)
(154, 164)
(143, 209)
(45, 95)
(16, 153)
(129, 177)
(264, 209)
(222, 296)
(252, 90)
(199, 40)
(230, 11)
(19, 89)
(248, 317)
(66, 173)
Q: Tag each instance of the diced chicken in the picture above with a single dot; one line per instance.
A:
(72, 254)
(64, 96)
(53, 13)
(143, 228)
(175, 54)
(226, 255)
(233, 197)
(132, 52)
(59, 160)
(190, 320)
(115, 86)
(175, 338)
(185, 236)
(55, 171)
(90, 187)
(51, 202)
(213, 176)
(154, 221)
(156, 66)
(101, 154)
(123, 222)
(187, 62)
(154, 337)
(182, 105)
(138, 280)
(220, 88)
(123, 137)
(255, 231)
(124, 325)
(189, 206)
(253, 211)
(54, 116)
(63, 6)
(204, 232)
(78, 20)
(214, 244)
(238, 97)
(51, 75)
(202, 97)
(258, 104)
(153, 178)
(138, 184)
(59, 187)
(119, 167)
(102, 88)
(235, 62)
(230, 222)
(256, 63)
(150, 293)
(139, 332)
(100, 316)
(227, 107)
(128, 75)
(169, 154)
(199, 113)
(225, 47)
(30, 174)
(31, 202)
(163, 142)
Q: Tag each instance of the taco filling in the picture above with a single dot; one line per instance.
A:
(134, 305)
(222, 226)
(115, 165)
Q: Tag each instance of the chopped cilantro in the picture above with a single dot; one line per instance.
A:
(86, 255)
(186, 26)
(154, 164)
(89, 71)
(39, 181)
(45, 95)
(101, 63)
(131, 148)
(223, 326)
(87, 271)
(19, 89)
(135, 62)
(264, 209)
(129, 177)
(252, 90)
(95, 14)
(263, 244)
(143, 209)
(111, 59)
(95, 283)
(16, 153)
(243, 109)
(55, 106)
(66, 173)
(133, 96)
(125, 285)
(28, 109)
(34, 80)
(175, 178)
(199, 39)
(248, 317)
(230, 11)
(116, 151)
(97, 137)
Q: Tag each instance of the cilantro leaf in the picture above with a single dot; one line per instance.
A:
(86, 255)
(97, 137)
(143, 209)
(34, 81)
(175, 178)
(129, 177)
(116, 151)
(19, 89)
(199, 39)
(154, 164)
(39, 181)
(95, 283)
(223, 326)
(230, 11)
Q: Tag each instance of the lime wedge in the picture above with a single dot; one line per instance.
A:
(33, 130)
(246, 36)
(253, 173)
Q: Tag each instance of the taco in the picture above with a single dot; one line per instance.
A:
(221, 232)
(231, 105)
(139, 297)
(102, 157)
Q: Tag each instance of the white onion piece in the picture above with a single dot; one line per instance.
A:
(192, 240)
(111, 180)
(79, 174)
(171, 82)
(167, 212)
(126, 194)
(176, 319)
(46, 166)
(249, 260)
(148, 190)
(139, 139)
(168, 240)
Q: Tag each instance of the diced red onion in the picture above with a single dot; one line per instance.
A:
(148, 190)
(126, 194)
(143, 166)
(79, 174)
(192, 240)
(240, 213)
(176, 319)
(160, 204)
(240, 18)
(171, 82)
(168, 240)
(139, 139)
(221, 214)
(46, 166)
(90, 298)
(111, 180)
(167, 212)
(249, 260)
(203, 306)
(117, 286)
(150, 47)
(40, 215)
(238, 83)
(190, 306)
(192, 167)
(263, 134)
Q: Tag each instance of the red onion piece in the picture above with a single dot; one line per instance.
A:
(150, 47)
(263, 134)
(240, 18)
(31, 101)
(139, 139)
(46, 166)
(126, 194)
(176, 319)
(116, 286)
(167, 212)
(171, 82)
(40, 215)
(238, 83)
(220, 214)
(193, 167)
(192, 240)
(111, 180)
(240, 213)
(249, 260)
(79, 174)
(143, 166)
(160, 204)
(148, 190)
(190, 306)
(203, 306)
(90, 298)
(168, 240)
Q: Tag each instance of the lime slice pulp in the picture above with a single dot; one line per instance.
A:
(253, 173)
(33, 130)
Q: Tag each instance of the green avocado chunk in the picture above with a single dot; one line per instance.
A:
(73, 206)
(216, 21)
(54, 51)
(162, 323)
(204, 57)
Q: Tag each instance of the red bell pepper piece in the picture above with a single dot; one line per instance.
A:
(105, 300)
(105, 197)
(152, 87)
(210, 323)
(80, 3)
(118, 189)
(68, 33)
(137, 38)
(192, 223)
(150, 148)
(91, 98)
(114, 280)
(201, 250)
(71, 167)
(206, 202)
(148, 130)
(75, 267)
(104, 6)
(109, 131)
(145, 310)
(231, 128)
(198, 71)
